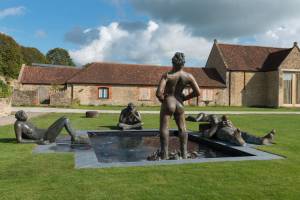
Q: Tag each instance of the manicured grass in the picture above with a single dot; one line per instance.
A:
(24, 175)
(191, 108)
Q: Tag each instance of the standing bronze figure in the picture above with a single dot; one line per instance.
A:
(170, 94)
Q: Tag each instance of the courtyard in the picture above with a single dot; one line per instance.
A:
(25, 175)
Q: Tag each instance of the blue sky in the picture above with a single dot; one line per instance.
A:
(148, 31)
(56, 17)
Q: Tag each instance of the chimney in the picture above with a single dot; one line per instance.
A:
(295, 44)
(215, 41)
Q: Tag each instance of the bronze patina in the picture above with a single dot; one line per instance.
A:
(26, 132)
(170, 94)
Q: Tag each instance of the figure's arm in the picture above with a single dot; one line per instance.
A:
(138, 116)
(195, 87)
(161, 88)
(121, 117)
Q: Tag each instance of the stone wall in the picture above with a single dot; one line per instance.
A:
(25, 98)
(290, 64)
(248, 89)
(5, 106)
(118, 95)
(272, 78)
(62, 98)
(215, 61)
(122, 95)
(292, 61)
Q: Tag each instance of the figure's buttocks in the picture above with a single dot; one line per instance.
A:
(175, 84)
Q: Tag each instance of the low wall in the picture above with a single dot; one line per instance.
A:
(25, 98)
(5, 106)
(60, 99)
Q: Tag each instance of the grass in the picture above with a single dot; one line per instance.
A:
(24, 175)
(187, 108)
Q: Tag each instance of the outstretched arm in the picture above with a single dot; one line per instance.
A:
(195, 88)
(161, 88)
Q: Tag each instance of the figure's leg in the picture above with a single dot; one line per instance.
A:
(69, 129)
(127, 126)
(55, 129)
(183, 137)
(258, 140)
(164, 135)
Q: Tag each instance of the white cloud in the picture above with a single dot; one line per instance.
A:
(282, 35)
(221, 18)
(12, 11)
(40, 34)
(155, 44)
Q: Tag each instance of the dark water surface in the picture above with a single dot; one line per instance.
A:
(118, 148)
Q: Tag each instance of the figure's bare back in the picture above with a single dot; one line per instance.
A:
(176, 83)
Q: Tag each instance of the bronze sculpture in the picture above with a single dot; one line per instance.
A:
(28, 133)
(224, 130)
(170, 94)
(130, 118)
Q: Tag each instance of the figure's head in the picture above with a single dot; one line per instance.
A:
(21, 116)
(131, 106)
(224, 118)
(178, 60)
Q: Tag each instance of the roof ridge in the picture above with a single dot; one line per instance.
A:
(60, 67)
(244, 45)
(141, 65)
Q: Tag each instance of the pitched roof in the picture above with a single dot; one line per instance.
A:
(133, 74)
(252, 58)
(47, 75)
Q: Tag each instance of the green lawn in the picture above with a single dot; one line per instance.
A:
(191, 108)
(24, 175)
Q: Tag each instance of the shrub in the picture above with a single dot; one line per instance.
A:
(5, 90)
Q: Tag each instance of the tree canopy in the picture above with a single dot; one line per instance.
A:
(11, 57)
(32, 55)
(59, 56)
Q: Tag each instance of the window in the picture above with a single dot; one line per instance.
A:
(103, 93)
(287, 87)
(144, 94)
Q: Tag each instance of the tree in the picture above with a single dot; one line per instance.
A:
(32, 55)
(59, 56)
(10, 56)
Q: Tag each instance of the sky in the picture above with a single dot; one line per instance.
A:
(148, 31)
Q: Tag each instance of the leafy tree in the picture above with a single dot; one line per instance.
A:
(59, 56)
(10, 56)
(32, 55)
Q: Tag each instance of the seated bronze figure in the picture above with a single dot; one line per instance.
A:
(130, 118)
(224, 130)
(170, 94)
(28, 133)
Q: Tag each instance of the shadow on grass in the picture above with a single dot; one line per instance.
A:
(8, 140)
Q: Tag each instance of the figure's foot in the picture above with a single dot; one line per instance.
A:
(164, 155)
(238, 137)
(268, 139)
(43, 142)
(80, 140)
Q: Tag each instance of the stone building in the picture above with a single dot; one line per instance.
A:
(234, 75)
(108, 84)
(258, 76)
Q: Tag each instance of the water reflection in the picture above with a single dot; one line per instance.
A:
(120, 148)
